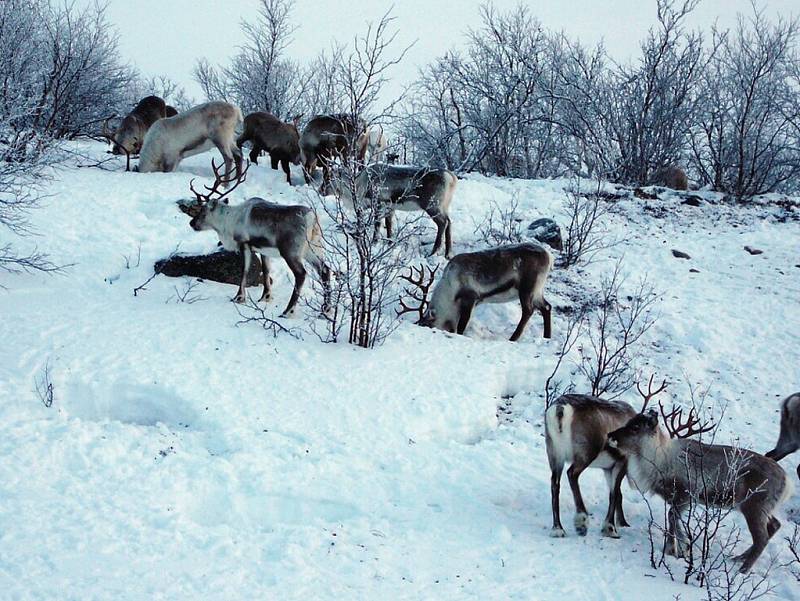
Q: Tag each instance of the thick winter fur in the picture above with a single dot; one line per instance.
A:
(576, 427)
(409, 189)
(267, 132)
(374, 144)
(496, 275)
(293, 232)
(200, 128)
(130, 134)
(671, 176)
(789, 438)
(326, 137)
(683, 470)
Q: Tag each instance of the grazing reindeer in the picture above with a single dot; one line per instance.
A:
(496, 275)
(281, 140)
(407, 189)
(576, 427)
(169, 141)
(671, 176)
(292, 232)
(789, 438)
(373, 144)
(327, 137)
(682, 471)
(129, 136)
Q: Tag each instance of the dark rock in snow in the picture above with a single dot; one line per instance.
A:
(693, 201)
(753, 251)
(644, 194)
(547, 232)
(679, 254)
(693, 270)
(221, 266)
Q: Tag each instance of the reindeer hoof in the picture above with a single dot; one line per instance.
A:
(239, 299)
(265, 298)
(581, 521)
(557, 533)
(609, 531)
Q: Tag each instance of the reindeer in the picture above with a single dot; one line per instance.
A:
(670, 176)
(682, 471)
(169, 141)
(327, 137)
(373, 144)
(789, 438)
(576, 427)
(281, 140)
(496, 275)
(293, 232)
(406, 189)
(129, 136)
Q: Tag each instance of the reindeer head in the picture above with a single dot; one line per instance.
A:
(128, 137)
(642, 430)
(204, 205)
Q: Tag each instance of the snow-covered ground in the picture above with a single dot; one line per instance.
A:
(186, 457)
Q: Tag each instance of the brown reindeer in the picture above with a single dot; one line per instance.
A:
(328, 137)
(291, 232)
(129, 136)
(682, 471)
(670, 176)
(281, 140)
(496, 275)
(789, 438)
(576, 428)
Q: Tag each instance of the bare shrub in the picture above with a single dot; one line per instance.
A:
(794, 548)
(251, 312)
(44, 386)
(553, 387)
(501, 225)
(613, 330)
(187, 293)
(585, 234)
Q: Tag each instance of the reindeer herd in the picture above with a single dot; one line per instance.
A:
(580, 430)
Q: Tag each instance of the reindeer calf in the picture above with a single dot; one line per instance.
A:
(683, 470)
(281, 140)
(576, 427)
(496, 275)
(789, 438)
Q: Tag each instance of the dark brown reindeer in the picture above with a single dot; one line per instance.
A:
(497, 275)
(682, 471)
(127, 139)
(789, 438)
(281, 140)
(328, 137)
(291, 232)
(576, 428)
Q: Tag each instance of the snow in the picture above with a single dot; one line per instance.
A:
(188, 457)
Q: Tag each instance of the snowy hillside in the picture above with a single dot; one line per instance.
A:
(188, 457)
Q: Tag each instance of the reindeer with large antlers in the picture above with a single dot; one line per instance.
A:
(292, 232)
(683, 470)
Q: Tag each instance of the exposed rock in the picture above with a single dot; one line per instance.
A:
(753, 251)
(693, 270)
(221, 266)
(644, 195)
(547, 232)
(679, 254)
(693, 201)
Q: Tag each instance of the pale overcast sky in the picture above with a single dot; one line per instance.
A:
(167, 36)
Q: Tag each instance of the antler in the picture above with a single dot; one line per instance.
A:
(416, 277)
(678, 427)
(650, 392)
(219, 179)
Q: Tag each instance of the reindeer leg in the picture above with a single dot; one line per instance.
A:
(227, 156)
(448, 239)
(758, 524)
(285, 165)
(441, 226)
(254, 152)
(526, 302)
(274, 162)
(241, 296)
(267, 280)
(581, 515)
(388, 221)
(619, 515)
(466, 304)
(556, 470)
(296, 267)
(547, 318)
(676, 539)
